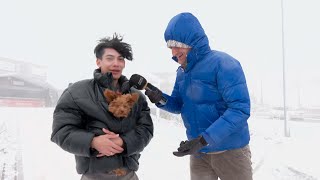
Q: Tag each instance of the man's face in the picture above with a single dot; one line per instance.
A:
(112, 62)
(181, 54)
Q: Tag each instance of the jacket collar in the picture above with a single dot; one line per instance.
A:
(105, 80)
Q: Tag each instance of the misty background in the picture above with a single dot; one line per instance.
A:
(45, 45)
(61, 36)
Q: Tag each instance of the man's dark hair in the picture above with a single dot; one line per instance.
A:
(115, 43)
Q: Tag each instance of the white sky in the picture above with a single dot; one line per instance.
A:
(62, 35)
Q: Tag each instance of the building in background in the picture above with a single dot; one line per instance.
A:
(24, 84)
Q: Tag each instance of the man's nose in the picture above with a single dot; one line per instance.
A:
(116, 63)
(174, 51)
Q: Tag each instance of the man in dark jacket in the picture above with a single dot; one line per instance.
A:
(82, 125)
(212, 96)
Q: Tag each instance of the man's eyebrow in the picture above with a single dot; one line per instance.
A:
(109, 55)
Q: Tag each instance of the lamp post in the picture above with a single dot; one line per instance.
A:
(286, 129)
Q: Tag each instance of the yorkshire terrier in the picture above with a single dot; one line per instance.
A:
(120, 105)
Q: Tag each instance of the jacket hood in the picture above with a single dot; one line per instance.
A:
(186, 28)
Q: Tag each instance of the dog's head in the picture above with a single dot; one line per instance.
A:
(120, 105)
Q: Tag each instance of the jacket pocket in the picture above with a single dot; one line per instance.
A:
(132, 162)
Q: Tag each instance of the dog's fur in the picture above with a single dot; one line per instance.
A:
(120, 105)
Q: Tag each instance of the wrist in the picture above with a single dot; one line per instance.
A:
(93, 143)
(203, 141)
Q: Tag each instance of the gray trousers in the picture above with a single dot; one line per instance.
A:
(110, 176)
(228, 165)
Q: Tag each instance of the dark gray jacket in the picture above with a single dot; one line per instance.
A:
(81, 113)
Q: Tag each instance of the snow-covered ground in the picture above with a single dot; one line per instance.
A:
(25, 133)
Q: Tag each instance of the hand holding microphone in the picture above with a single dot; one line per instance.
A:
(153, 93)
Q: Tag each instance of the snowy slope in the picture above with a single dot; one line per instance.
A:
(274, 157)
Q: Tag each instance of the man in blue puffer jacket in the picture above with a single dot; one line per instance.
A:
(212, 96)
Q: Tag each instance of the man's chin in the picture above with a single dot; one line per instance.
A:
(116, 77)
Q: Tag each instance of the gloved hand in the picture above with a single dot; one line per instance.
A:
(190, 147)
(154, 94)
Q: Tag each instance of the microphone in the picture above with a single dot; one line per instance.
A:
(140, 83)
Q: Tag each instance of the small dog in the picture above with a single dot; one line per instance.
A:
(120, 105)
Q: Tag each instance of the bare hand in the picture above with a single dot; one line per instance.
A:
(105, 146)
(118, 140)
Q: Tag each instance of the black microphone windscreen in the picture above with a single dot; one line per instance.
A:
(137, 81)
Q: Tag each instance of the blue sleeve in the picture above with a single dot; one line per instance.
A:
(174, 102)
(233, 89)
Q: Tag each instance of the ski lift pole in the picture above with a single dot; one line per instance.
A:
(286, 129)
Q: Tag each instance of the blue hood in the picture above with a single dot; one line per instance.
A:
(186, 28)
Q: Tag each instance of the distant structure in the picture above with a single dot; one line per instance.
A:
(24, 84)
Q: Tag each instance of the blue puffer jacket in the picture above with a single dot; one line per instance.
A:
(211, 92)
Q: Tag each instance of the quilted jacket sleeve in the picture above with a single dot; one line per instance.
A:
(174, 102)
(68, 127)
(233, 89)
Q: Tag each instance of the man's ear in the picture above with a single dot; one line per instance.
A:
(110, 95)
(98, 62)
(133, 98)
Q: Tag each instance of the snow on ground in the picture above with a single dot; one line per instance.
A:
(157, 160)
(285, 158)
(274, 156)
(9, 150)
(41, 159)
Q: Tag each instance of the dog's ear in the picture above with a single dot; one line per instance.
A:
(110, 95)
(133, 98)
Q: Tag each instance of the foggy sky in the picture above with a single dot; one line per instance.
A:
(62, 35)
